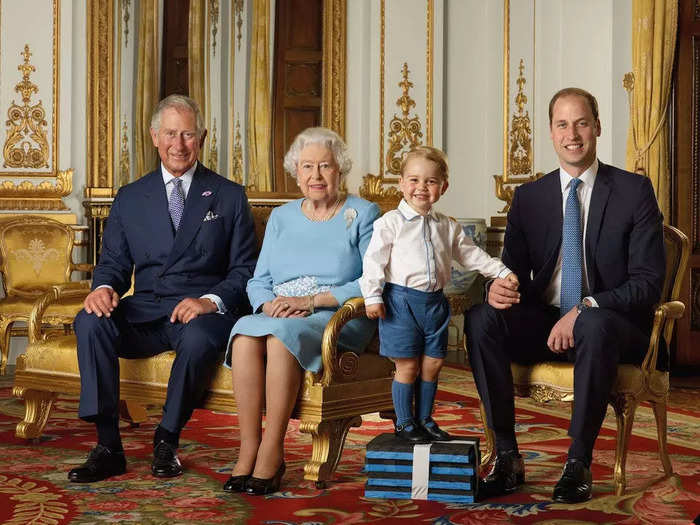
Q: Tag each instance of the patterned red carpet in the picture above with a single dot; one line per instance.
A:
(34, 488)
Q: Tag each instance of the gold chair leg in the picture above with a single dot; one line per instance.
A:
(625, 407)
(37, 408)
(489, 448)
(5, 335)
(659, 408)
(328, 439)
(133, 412)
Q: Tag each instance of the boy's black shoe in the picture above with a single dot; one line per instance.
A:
(434, 431)
(412, 432)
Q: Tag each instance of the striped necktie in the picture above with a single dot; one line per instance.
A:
(176, 203)
(571, 252)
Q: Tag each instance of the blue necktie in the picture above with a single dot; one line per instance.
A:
(571, 252)
(176, 203)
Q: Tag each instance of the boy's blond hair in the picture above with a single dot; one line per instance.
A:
(428, 153)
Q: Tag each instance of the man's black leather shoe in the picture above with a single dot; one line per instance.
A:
(506, 475)
(413, 433)
(165, 461)
(575, 483)
(434, 431)
(101, 464)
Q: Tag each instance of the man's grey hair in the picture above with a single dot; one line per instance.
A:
(325, 137)
(180, 103)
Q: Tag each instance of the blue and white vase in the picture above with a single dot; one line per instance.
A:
(464, 281)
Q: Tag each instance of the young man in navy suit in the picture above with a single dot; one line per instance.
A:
(591, 269)
(187, 236)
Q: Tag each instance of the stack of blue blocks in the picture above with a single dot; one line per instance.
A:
(437, 471)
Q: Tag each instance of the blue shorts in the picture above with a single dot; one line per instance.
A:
(415, 324)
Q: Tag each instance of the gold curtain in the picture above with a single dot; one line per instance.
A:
(147, 86)
(259, 132)
(196, 47)
(654, 25)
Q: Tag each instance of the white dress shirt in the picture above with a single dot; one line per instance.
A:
(186, 179)
(552, 294)
(416, 251)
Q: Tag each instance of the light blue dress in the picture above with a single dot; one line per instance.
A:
(300, 257)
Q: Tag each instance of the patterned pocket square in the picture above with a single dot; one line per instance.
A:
(210, 216)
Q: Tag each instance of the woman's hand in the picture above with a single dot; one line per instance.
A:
(282, 306)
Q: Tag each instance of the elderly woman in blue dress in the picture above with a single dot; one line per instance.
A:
(310, 262)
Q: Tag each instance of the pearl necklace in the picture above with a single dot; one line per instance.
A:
(328, 215)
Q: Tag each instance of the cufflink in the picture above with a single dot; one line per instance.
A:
(580, 307)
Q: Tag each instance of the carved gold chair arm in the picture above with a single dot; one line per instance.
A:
(82, 267)
(351, 309)
(664, 319)
(73, 289)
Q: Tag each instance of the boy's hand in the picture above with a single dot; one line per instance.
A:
(503, 293)
(375, 311)
(513, 278)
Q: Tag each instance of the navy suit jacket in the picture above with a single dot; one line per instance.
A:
(214, 256)
(624, 243)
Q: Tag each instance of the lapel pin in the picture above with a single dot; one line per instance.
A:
(206, 193)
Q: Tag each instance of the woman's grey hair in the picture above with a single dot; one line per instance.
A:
(325, 137)
(179, 102)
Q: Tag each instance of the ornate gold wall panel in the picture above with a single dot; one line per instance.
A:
(30, 148)
(100, 98)
(43, 196)
(407, 129)
(518, 162)
(334, 52)
(26, 145)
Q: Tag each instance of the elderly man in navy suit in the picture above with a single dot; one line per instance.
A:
(586, 242)
(187, 236)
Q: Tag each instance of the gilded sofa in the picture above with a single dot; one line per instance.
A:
(329, 403)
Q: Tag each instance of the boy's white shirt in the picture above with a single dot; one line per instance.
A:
(417, 251)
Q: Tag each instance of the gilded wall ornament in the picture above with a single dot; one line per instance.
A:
(126, 5)
(124, 159)
(520, 132)
(213, 161)
(373, 189)
(518, 162)
(404, 131)
(237, 167)
(214, 23)
(26, 145)
(238, 13)
(43, 196)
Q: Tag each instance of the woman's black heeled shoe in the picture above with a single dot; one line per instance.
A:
(236, 483)
(259, 486)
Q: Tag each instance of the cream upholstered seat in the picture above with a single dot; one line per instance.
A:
(35, 254)
(634, 384)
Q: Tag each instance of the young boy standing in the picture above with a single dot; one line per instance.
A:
(406, 265)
